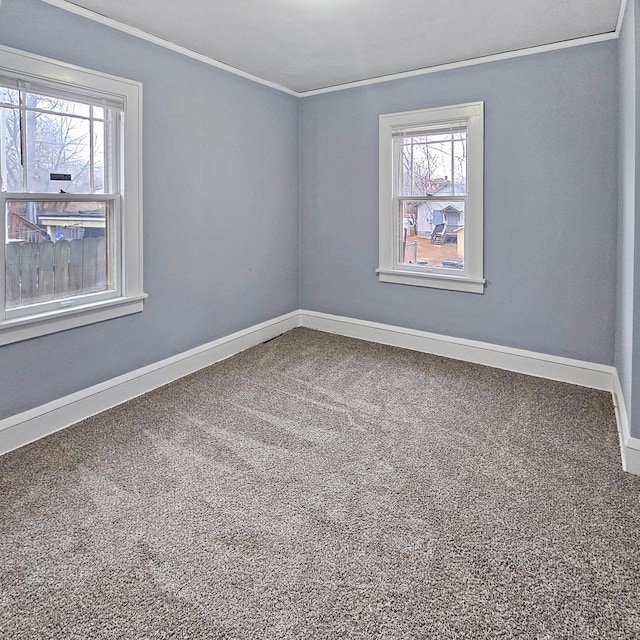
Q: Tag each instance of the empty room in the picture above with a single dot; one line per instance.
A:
(318, 319)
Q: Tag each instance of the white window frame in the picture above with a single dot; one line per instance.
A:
(471, 277)
(129, 295)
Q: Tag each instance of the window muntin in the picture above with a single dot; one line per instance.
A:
(85, 191)
(431, 197)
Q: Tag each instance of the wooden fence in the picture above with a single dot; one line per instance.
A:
(41, 271)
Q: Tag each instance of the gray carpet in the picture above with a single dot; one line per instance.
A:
(322, 487)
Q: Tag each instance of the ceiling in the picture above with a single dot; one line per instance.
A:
(305, 45)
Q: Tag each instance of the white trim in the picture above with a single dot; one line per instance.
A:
(629, 446)
(623, 8)
(166, 44)
(585, 374)
(27, 327)
(23, 428)
(51, 70)
(433, 280)
(143, 35)
(392, 127)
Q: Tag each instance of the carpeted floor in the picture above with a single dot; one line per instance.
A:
(322, 487)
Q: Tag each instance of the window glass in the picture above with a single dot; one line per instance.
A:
(63, 145)
(433, 164)
(433, 167)
(10, 155)
(8, 95)
(56, 105)
(431, 233)
(460, 166)
(57, 145)
(56, 250)
(98, 158)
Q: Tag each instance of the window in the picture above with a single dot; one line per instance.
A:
(431, 197)
(71, 197)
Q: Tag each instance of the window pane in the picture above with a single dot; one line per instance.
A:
(438, 163)
(433, 164)
(431, 233)
(56, 250)
(440, 137)
(58, 145)
(57, 105)
(460, 167)
(98, 157)
(9, 96)
(10, 161)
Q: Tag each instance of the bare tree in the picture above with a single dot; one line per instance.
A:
(55, 139)
(436, 165)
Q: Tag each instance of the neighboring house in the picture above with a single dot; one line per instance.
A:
(424, 216)
(73, 224)
(430, 214)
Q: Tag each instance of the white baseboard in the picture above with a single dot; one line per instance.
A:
(629, 446)
(23, 428)
(585, 374)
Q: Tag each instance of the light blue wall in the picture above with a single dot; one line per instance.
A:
(550, 203)
(628, 300)
(221, 208)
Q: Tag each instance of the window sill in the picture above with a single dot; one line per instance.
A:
(42, 324)
(433, 280)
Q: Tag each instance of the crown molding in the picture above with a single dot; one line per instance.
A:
(161, 42)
